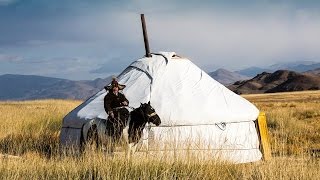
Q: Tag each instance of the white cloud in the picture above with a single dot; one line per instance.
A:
(240, 40)
(6, 2)
(210, 37)
(230, 39)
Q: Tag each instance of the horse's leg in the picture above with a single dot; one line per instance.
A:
(110, 139)
(110, 145)
(102, 135)
(132, 144)
(92, 138)
(131, 149)
(125, 136)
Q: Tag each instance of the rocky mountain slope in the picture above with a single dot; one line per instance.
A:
(279, 81)
(226, 77)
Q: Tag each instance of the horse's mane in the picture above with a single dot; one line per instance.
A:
(137, 114)
(136, 124)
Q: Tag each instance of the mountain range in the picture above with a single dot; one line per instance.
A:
(25, 87)
(227, 77)
(298, 66)
(315, 71)
(279, 81)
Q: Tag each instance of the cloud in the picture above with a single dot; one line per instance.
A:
(62, 67)
(234, 41)
(6, 2)
(213, 34)
(114, 65)
(10, 58)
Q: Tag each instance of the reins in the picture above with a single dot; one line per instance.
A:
(141, 111)
(117, 108)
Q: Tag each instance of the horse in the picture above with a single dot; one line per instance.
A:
(137, 122)
(96, 131)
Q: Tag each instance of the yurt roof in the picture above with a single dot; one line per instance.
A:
(180, 92)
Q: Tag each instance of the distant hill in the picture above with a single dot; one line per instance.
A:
(314, 71)
(25, 87)
(279, 81)
(226, 77)
(252, 71)
(298, 66)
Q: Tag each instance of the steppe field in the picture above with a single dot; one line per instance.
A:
(29, 143)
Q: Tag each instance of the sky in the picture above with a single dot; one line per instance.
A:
(82, 39)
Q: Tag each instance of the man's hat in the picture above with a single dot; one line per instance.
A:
(113, 84)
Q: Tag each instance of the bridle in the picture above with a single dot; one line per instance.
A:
(146, 119)
(152, 114)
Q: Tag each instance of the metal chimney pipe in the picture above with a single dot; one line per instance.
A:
(145, 36)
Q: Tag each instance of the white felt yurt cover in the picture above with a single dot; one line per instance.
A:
(195, 110)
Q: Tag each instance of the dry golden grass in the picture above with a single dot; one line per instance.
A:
(32, 126)
(293, 120)
(30, 129)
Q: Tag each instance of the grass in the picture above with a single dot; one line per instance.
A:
(30, 130)
(32, 126)
(293, 120)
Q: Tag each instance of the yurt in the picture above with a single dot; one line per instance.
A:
(197, 112)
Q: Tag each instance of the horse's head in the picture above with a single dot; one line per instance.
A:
(150, 113)
(139, 117)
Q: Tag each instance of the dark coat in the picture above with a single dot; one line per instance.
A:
(116, 124)
(113, 101)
